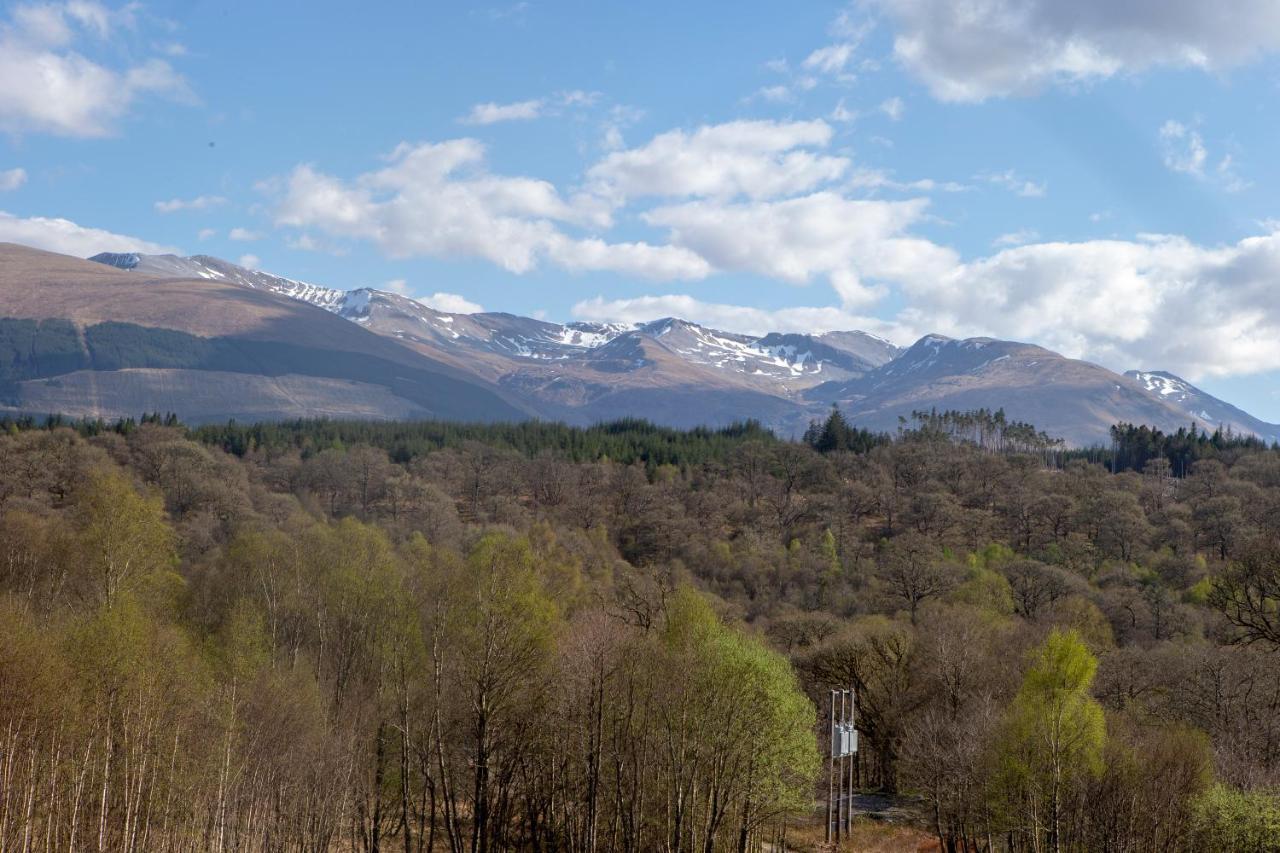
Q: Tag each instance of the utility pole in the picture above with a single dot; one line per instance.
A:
(842, 755)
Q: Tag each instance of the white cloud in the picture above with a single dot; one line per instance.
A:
(1183, 148)
(1157, 301)
(11, 179)
(65, 236)
(989, 48)
(758, 159)
(250, 261)
(875, 179)
(831, 59)
(1153, 302)
(203, 202)
(777, 94)
(47, 86)
(1226, 174)
(451, 303)
(857, 244)
(618, 119)
(491, 113)
(894, 108)
(1010, 181)
(843, 114)
(206, 233)
(243, 235)
(1017, 238)
(438, 200)
(834, 59)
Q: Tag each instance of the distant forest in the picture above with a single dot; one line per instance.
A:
(341, 636)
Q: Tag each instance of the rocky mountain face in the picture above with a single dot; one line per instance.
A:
(680, 373)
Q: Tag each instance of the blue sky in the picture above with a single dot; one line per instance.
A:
(1087, 176)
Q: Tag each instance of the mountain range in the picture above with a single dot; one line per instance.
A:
(210, 340)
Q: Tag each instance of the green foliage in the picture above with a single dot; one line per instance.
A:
(437, 635)
(992, 556)
(1227, 819)
(123, 536)
(1054, 733)
(986, 589)
(739, 707)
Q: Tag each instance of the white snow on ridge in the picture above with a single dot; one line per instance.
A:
(1165, 386)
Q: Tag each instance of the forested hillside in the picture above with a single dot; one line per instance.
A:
(328, 636)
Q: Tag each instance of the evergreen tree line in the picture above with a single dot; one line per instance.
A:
(1133, 447)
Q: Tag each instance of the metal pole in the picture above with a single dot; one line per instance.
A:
(840, 804)
(853, 724)
(831, 765)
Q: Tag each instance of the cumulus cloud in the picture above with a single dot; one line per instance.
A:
(451, 303)
(990, 48)
(65, 236)
(1158, 301)
(758, 159)
(894, 108)
(11, 179)
(765, 200)
(856, 243)
(439, 200)
(203, 202)
(243, 235)
(48, 86)
(250, 261)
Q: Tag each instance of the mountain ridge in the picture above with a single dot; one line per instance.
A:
(683, 373)
(84, 339)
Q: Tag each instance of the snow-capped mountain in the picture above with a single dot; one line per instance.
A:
(216, 269)
(1071, 399)
(1202, 406)
(779, 362)
(681, 373)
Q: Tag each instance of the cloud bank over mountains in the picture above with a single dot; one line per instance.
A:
(782, 205)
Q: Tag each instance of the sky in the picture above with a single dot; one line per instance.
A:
(1098, 177)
